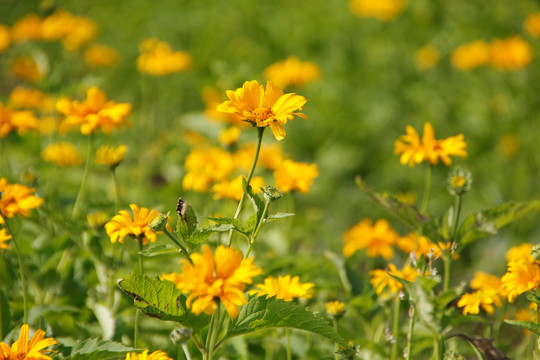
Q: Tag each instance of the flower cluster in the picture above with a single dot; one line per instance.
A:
(381, 279)
(384, 10)
(378, 239)
(292, 72)
(62, 153)
(158, 59)
(209, 279)
(16, 120)
(523, 272)
(487, 292)
(16, 199)
(414, 151)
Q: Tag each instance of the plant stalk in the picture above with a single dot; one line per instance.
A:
(258, 228)
(82, 189)
(395, 328)
(427, 189)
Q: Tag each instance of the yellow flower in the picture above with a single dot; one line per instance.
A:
(123, 224)
(11, 120)
(62, 154)
(420, 245)
(97, 219)
(485, 281)
(156, 355)
(487, 294)
(4, 236)
(111, 156)
(383, 10)
(94, 113)
(532, 24)
(471, 55)
(205, 166)
(292, 71)
(211, 278)
(22, 97)
(26, 68)
(264, 108)
(212, 98)
(521, 276)
(378, 239)
(413, 151)
(270, 157)
(99, 56)
(335, 308)
(520, 253)
(292, 175)
(234, 189)
(28, 28)
(380, 279)
(24, 350)
(510, 54)
(427, 57)
(229, 136)
(17, 199)
(158, 59)
(509, 145)
(72, 31)
(284, 287)
(4, 37)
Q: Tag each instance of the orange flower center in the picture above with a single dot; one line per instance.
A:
(261, 114)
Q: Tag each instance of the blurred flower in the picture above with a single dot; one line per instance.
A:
(72, 31)
(419, 245)
(158, 59)
(11, 120)
(24, 350)
(270, 156)
(520, 253)
(508, 145)
(4, 236)
(111, 156)
(27, 28)
(98, 219)
(26, 68)
(234, 189)
(471, 55)
(17, 199)
(48, 125)
(487, 294)
(335, 308)
(413, 151)
(532, 24)
(124, 224)
(459, 182)
(205, 166)
(378, 239)
(383, 10)
(94, 113)
(284, 287)
(212, 98)
(427, 57)
(99, 56)
(156, 355)
(521, 276)
(262, 109)
(62, 154)
(229, 136)
(292, 175)
(211, 278)
(510, 54)
(292, 71)
(25, 98)
(380, 279)
(4, 37)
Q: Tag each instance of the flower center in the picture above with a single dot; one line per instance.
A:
(261, 113)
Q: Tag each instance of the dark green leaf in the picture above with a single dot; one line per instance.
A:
(256, 201)
(187, 220)
(235, 223)
(94, 349)
(528, 325)
(158, 250)
(200, 236)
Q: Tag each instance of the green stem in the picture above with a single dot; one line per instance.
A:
(438, 347)
(258, 228)
(21, 268)
(178, 244)
(260, 132)
(213, 331)
(185, 348)
(457, 209)
(410, 334)
(395, 328)
(115, 190)
(427, 189)
(288, 336)
(82, 189)
(447, 259)
(336, 345)
(141, 271)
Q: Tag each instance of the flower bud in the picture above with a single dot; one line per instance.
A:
(159, 222)
(335, 309)
(180, 335)
(459, 182)
(271, 193)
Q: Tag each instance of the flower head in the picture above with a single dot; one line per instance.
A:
(292, 175)
(380, 279)
(229, 136)
(377, 238)
(284, 287)
(158, 59)
(459, 182)
(413, 151)
(292, 71)
(427, 57)
(16, 199)
(487, 293)
(11, 120)
(111, 156)
(99, 56)
(156, 355)
(520, 277)
(532, 24)
(262, 107)
(205, 166)
(4, 37)
(234, 189)
(27, 28)
(510, 54)
(94, 113)
(471, 55)
(62, 154)
(24, 350)
(335, 308)
(210, 279)
(420, 245)
(384, 10)
(135, 226)
(22, 97)
(4, 236)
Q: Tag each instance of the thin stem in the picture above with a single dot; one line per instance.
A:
(21, 267)
(457, 209)
(141, 271)
(336, 345)
(115, 190)
(258, 228)
(213, 331)
(288, 336)
(260, 132)
(410, 334)
(395, 328)
(427, 189)
(446, 260)
(178, 244)
(185, 348)
(82, 189)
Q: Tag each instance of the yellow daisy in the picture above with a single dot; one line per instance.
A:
(124, 224)
(24, 350)
(284, 287)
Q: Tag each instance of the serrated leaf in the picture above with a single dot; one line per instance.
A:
(488, 222)
(161, 299)
(158, 250)
(187, 220)
(200, 236)
(423, 300)
(262, 313)
(404, 212)
(251, 223)
(528, 325)
(279, 216)
(95, 349)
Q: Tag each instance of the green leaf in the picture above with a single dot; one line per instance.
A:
(528, 325)
(201, 235)
(251, 223)
(161, 299)
(235, 223)
(279, 216)
(404, 212)
(256, 201)
(158, 250)
(187, 220)
(262, 313)
(422, 297)
(95, 349)
(488, 222)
